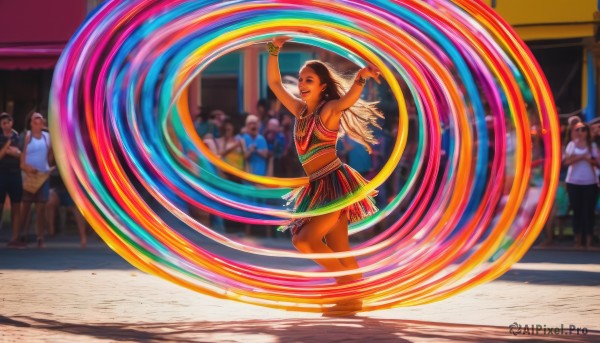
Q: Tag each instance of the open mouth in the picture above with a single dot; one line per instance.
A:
(304, 93)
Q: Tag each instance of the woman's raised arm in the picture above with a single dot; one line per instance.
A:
(293, 104)
(354, 92)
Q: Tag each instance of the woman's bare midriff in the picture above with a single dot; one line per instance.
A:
(318, 163)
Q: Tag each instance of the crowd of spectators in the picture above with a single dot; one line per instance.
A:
(29, 180)
(262, 143)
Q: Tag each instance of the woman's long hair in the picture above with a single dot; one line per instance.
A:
(357, 119)
(588, 137)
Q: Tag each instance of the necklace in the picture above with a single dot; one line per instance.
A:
(304, 127)
(303, 123)
(316, 110)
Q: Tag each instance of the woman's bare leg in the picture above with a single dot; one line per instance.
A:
(337, 240)
(310, 240)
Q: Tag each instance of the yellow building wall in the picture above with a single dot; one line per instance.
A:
(548, 19)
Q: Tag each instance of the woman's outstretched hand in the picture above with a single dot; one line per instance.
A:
(370, 71)
(279, 40)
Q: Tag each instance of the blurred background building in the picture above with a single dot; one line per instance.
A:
(563, 35)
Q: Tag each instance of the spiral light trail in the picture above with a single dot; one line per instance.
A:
(480, 184)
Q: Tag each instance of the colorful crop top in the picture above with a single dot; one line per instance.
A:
(311, 136)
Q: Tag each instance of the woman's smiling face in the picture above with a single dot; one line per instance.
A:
(309, 85)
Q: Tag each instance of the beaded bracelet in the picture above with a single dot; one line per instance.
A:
(360, 80)
(273, 49)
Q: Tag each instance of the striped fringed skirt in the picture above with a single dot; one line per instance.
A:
(334, 181)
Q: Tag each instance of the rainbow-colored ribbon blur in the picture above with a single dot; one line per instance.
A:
(481, 181)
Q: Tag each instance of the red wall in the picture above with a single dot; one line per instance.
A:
(34, 32)
(40, 21)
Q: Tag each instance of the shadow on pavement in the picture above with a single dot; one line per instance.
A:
(561, 256)
(552, 277)
(62, 258)
(57, 257)
(356, 329)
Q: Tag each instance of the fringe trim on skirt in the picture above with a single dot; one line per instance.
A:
(339, 183)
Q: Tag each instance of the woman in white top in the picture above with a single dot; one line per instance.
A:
(36, 158)
(581, 155)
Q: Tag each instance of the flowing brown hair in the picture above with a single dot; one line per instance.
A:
(357, 119)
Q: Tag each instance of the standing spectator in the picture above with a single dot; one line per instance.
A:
(256, 147)
(231, 148)
(581, 155)
(275, 145)
(10, 176)
(256, 152)
(35, 159)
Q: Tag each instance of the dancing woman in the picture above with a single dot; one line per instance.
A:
(326, 107)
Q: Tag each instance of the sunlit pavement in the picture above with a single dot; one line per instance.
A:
(66, 294)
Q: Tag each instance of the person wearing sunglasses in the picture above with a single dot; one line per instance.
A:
(581, 157)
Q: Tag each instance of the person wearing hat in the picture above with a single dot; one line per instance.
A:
(10, 176)
(581, 157)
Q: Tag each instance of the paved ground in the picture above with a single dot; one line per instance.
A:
(63, 293)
